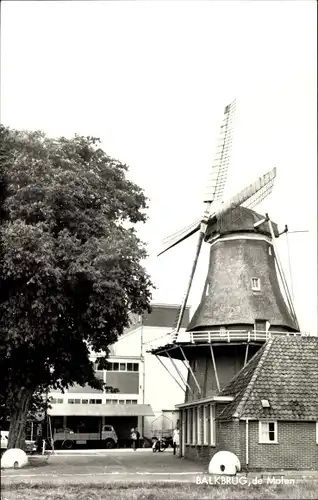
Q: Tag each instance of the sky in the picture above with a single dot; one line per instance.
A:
(151, 80)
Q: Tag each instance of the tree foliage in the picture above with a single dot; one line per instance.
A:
(71, 262)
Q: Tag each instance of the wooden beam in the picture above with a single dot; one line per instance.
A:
(170, 373)
(215, 370)
(179, 373)
(246, 354)
(194, 377)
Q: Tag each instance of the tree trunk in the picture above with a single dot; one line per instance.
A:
(18, 420)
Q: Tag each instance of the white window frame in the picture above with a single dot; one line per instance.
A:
(212, 425)
(189, 423)
(207, 291)
(257, 286)
(261, 439)
(205, 424)
(199, 439)
(194, 425)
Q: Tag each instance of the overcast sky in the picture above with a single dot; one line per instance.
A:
(151, 79)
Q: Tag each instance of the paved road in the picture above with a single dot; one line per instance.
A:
(142, 465)
(102, 466)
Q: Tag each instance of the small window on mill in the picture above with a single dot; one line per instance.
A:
(256, 284)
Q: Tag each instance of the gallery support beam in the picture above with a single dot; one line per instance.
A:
(214, 368)
(171, 375)
(191, 371)
(179, 373)
(246, 354)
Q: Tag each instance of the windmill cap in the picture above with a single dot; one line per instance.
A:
(239, 219)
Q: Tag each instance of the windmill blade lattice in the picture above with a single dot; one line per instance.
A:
(218, 175)
(249, 197)
(180, 235)
(258, 197)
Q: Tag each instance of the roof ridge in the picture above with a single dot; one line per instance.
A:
(240, 407)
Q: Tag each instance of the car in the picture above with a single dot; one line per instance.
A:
(30, 446)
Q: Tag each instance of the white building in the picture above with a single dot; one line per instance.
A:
(139, 392)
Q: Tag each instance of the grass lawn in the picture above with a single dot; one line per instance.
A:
(159, 490)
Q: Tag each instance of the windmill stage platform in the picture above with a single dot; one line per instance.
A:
(177, 345)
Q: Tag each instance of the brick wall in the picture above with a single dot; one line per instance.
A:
(227, 439)
(296, 448)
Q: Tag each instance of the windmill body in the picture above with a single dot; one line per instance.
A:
(241, 285)
(245, 298)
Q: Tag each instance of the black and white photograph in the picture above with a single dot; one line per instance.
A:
(158, 250)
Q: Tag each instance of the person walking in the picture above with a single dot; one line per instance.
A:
(175, 440)
(133, 437)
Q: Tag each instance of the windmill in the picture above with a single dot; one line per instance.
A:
(245, 300)
(222, 213)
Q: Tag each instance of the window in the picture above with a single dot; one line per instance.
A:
(123, 367)
(98, 401)
(108, 401)
(70, 401)
(270, 250)
(121, 401)
(53, 401)
(60, 401)
(77, 401)
(92, 401)
(115, 401)
(128, 401)
(194, 425)
(212, 425)
(256, 284)
(84, 401)
(187, 436)
(199, 420)
(206, 420)
(189, 424)
(207, 289)
(267, 432)
(185, 426)
(134, 401)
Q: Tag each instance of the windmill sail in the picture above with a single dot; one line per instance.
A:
(179, 236)
(253, 194)
(217, 178)
(216, 181)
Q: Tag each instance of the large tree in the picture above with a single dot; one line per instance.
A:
(70, 265)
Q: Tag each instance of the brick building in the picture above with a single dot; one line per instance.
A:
(245, 304)
(267, 414)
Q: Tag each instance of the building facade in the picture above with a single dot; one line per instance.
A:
(135, 392)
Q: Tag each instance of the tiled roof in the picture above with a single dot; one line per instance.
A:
(285, 372)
